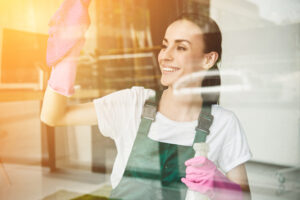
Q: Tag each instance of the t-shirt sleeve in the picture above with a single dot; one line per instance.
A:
(235, 150)
(116, 110)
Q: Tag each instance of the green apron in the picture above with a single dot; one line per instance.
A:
(154, 169)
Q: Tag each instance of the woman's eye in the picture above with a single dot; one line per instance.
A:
(180, 48)
(163, 46)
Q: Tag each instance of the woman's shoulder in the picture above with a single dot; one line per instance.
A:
(223, 114)
(146, 92)
(140, 93)
(226, 122)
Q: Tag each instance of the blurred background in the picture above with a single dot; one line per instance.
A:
(260, 72)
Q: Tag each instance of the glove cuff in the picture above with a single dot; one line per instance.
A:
(63, 74)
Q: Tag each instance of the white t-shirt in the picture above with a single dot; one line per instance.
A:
(119, 116)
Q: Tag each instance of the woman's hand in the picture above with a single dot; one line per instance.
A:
(66, 39)
(203, 176)
(67, 28)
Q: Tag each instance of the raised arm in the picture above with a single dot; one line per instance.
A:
(56, 112)
(70, 20)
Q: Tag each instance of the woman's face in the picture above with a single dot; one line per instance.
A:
(182, 51)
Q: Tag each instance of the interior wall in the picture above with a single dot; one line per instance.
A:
(261, 51)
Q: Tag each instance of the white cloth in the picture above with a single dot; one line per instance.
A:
(119, 116)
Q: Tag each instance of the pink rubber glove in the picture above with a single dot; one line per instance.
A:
(66, 39)
(67, 27)
(63, 75)
(203, 176)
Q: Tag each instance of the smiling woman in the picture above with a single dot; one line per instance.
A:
(154, 131)
(198, 40)
(182, 51)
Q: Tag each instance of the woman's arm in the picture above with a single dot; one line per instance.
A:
(239, 176)
(56, 112)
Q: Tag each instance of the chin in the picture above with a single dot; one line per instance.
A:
(169, 79)
(166, 83)
(163, 83)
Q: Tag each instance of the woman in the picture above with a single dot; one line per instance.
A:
(191, 43)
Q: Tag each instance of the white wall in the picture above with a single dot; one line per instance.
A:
(266, 52)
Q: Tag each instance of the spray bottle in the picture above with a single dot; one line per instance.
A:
(201, 149)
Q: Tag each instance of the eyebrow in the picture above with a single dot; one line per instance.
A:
(178, 41)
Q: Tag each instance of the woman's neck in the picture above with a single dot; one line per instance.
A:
(180, 107)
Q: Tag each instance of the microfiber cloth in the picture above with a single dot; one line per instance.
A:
(67, 28)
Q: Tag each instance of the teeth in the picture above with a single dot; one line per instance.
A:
(170, 69)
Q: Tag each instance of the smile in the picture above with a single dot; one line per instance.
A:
(170, 69)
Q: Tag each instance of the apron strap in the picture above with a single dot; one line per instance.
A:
(205, 120)
(151, 106)
(149, 112)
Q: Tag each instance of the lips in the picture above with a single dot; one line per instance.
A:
(168, 69)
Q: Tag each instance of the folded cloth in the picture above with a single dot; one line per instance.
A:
(67, 27)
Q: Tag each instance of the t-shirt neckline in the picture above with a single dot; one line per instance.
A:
(165, 119)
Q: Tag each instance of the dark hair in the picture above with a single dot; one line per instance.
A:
(212, 42)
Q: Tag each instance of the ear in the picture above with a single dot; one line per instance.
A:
(210, 59)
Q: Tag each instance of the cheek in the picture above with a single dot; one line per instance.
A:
(196, 62)
(190, 62)
(159, 56)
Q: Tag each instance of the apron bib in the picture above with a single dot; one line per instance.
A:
(154, 169)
